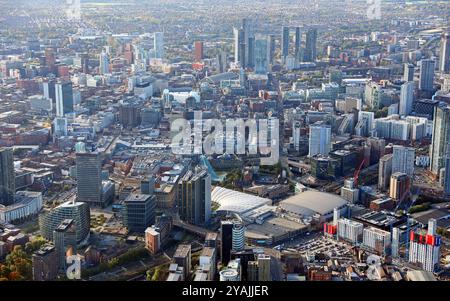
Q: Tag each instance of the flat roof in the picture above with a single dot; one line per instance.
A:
(310, 202)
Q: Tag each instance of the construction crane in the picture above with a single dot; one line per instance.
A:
(357, 172)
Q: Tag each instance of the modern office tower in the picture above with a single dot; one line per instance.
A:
(7, 177)
(403, 160)
(45, 264)
(400, 186)
(350, 231)
(264, 268)
(377, 240)
(152, 240)
(365, 125)
(249, 41)
(447, 172)
(198, 51)
(385, 172)
(226, 235)
(395, 246)
(148, 185)
(298, 42)
(319, 140)
(440, 138)
(194, 197)
(444, 58)
(79, 212)
(261, 55)
(222, 60)
(250, 59)
(139, 211)
(296, 134)
(182, 257)
(158, 45)
(238, 237)
(64, 98)
(89, 178)
(272, 48)
(311, 45)
(426, 79)
(284, 42)
(49, 92)
(65, 241)
(406, 99)
(408, 72)
(59, 127)
(104, 63)
(424, 248)
(239, 46)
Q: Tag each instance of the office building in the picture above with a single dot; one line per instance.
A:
(139, 212)
(384, 172)
(65, 241)
(59, 127)
(79, 212)
(377, 240)
(400, 186)
(48, 87)
(285, 42)
(444, 57)
(272, 49)
(440, 137)
(264, 268)
(403, 160)
(7, 176)
(226, 235)
(45, 264)
(426, 79)
(350, 231)
(406, 99)
(424, 248)
(64, 98)
(129, 115)
(261, 55)
(89, 178)
(239, 46)
(298, 42)
(104, 63)
(447, 172)
(182, 257)
(194, 197)
(319, 140)
(408, 72)
(238, 237)
(365, 125)
(311, 45)
(198, 51)
(158, 45)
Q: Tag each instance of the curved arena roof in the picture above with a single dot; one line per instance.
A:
(310, 202)
(235, 201)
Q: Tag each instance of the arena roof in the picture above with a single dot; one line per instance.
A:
(235, 201)
(311, 202)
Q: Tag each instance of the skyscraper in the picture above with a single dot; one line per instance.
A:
(406, 99)
(194, 197)
(238, 242)
(403, 159)
(384, 172)
(319, 140)
(198, 51)
(272, 48)
(226, 241)
(250, 59)
(104, 63)
(284, 42)
(426, 79)
(311, 45)
(444, 59)
(64, 98)
(48, 87)
(239, 46)
(89, 178)
(447, 172)
(7, 177)
(441, 137)
(298, 42)
(408, 72)
(261, 55)
(249, 41)
(158, 45)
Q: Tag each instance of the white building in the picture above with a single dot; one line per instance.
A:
(28, 203)
(425, 249)
(406, 99)
(350, 230)
(376, 240)
(403, 160)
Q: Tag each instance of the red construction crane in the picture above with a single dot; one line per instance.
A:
(357, 171)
